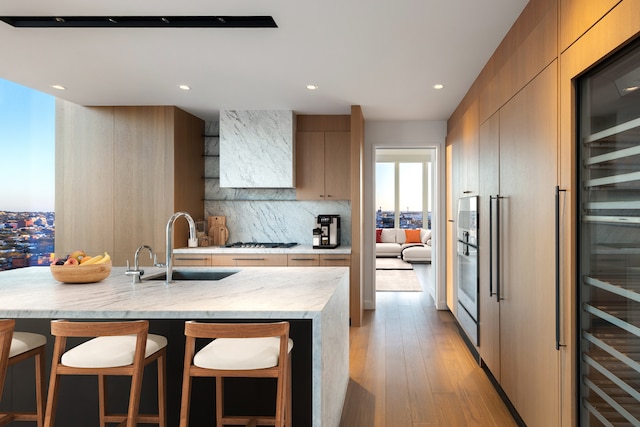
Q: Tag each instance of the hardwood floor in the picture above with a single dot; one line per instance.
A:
(409, 367)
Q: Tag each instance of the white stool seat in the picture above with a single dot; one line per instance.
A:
(240, 353)
(110, 351)
(25, 341)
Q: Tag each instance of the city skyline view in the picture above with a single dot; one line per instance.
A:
(27, 193)
(27, 141)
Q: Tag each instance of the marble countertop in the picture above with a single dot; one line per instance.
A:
(253, 292)
(300, 249)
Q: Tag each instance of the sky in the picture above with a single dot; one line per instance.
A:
(411, 178)
(27, 144)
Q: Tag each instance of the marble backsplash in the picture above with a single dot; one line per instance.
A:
(264, 214)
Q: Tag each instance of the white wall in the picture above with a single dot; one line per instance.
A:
(403, 134)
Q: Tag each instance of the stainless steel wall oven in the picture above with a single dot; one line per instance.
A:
(467, 265)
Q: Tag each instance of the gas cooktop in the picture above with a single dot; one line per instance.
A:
(260, 245)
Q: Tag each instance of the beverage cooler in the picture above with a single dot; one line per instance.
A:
(609, 241)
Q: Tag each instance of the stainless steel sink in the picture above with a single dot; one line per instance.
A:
(194, 275)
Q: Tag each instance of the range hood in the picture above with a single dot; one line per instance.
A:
(257, 149)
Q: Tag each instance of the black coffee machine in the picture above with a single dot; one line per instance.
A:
(328, 232)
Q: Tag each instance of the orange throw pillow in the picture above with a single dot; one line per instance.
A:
(412, 236)
(378, 235)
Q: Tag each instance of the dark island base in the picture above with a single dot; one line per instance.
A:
(78, 395)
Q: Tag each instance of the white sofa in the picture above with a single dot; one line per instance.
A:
(393, 243)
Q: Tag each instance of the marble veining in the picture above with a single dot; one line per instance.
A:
(257, 148)
(264, 214)
(279, 221)
(301, 292)
(320, 294)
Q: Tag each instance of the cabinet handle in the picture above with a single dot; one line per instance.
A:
(491, 246)
(248, 259)
(557, 247)
(335, 259)
(303, 259)
(191, 259)
(497, 293)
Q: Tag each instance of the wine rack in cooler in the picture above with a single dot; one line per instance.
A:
(609, 242)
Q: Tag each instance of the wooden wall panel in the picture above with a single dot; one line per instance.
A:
(577, 16)
(142, 197)
(84, 179)
(188, 166)
(529, 46)
(356, 126)
(313, 123)
(128, 164)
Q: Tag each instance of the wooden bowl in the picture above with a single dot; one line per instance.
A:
(81, 273)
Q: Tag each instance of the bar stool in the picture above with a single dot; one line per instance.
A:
(119, 348)
(14, 348)
(239, 350)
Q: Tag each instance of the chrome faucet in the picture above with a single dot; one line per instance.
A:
(136, 273)
(192, 238)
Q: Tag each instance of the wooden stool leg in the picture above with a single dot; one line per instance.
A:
(102, 399)
(219, 401)
(52, 401)
(41, 381)
(287, 400)
(134, 398)
(162, 389)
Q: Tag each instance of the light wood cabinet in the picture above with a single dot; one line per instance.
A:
(335, 260)
(489, 187)
(529, 361)
(303, 260)
(125, 171)
(249, 260)
(262, 260)
(323, 165)
(191, 260)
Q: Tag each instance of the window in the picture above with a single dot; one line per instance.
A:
(27, 141)
(402, 188)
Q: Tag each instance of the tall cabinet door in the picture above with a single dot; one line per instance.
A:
(528, 176)
(489, 188)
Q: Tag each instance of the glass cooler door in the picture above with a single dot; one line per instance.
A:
(609, 242)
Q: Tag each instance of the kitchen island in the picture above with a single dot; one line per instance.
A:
(313, 299)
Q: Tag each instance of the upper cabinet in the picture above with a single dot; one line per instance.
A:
(323, 154)
(257, 149)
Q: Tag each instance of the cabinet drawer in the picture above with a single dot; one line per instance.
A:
(223, 260)
(302, 260)
(260, 260)
(191, 260)
(335, 260)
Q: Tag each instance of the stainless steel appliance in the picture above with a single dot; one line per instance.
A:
(467, 265)
(329, 226)
(608, 211)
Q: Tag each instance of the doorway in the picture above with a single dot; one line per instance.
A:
(404, 200)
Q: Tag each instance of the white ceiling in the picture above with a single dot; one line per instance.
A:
(384, 55)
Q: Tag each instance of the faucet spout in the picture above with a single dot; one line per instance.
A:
(137, 255)
(169, 252)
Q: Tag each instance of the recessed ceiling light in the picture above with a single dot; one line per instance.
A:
(438, 86)
(59, 87)
(184, 87)
(312, 87)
